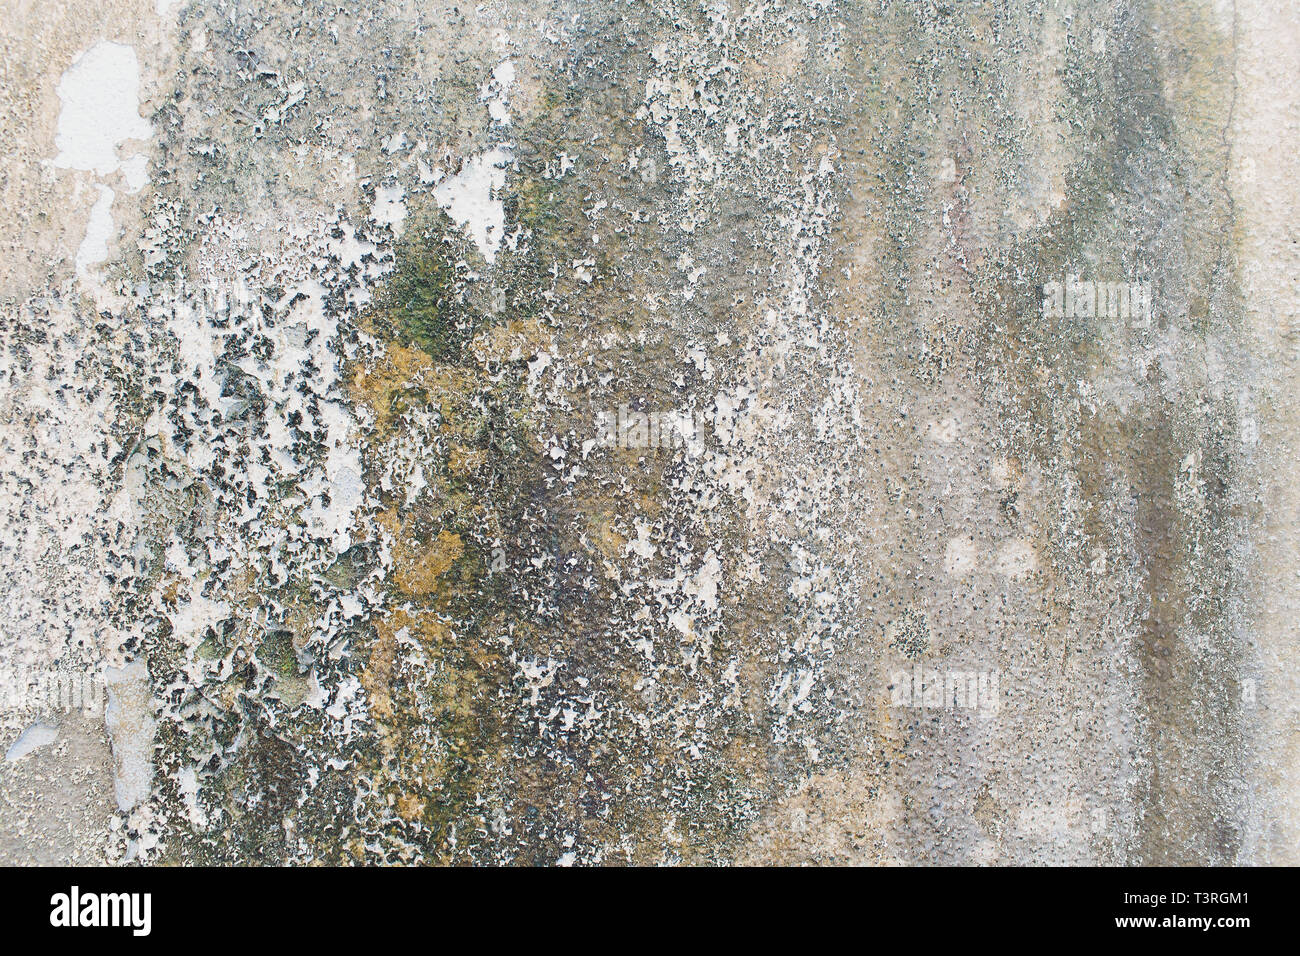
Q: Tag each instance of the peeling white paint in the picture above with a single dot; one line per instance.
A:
(472, 200)
(101, 109)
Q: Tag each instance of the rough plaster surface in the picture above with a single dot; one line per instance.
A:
(567, 432)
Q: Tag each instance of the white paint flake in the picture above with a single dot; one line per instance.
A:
(101, 109)
(472, 199)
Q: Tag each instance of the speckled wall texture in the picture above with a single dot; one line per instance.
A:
(594, 432)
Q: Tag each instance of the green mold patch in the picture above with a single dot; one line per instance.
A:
(425, 302)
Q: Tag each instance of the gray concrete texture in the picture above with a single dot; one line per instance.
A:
(589, 432)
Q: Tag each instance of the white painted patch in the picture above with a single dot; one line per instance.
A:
(136, 172)
(129, 721)
(470, 198)
(101, 109)
(496, 92)
(99, 232)
(390, 209)
(31, 739)
(100, 93)
(959, 558)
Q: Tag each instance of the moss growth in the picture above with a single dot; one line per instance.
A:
(426, 301)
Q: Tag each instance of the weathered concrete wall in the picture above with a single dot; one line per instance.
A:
(587, 432)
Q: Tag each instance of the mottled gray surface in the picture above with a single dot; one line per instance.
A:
(324, 345)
